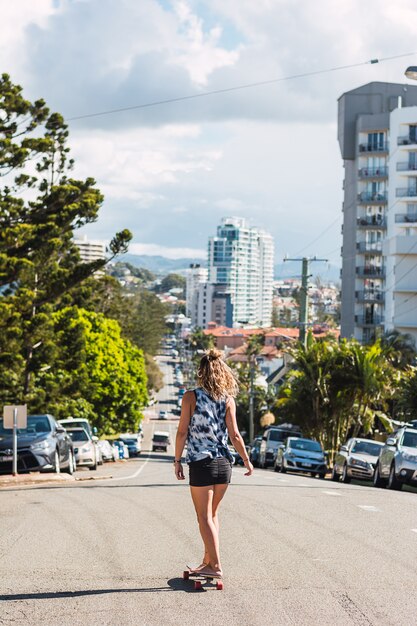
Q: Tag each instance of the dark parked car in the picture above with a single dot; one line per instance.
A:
(357, 458)
(301, 455)
(44, 445)
(133, 443)
(255, 450)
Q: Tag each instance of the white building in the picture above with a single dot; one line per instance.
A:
(241, 263)
(196, 275)
(378, 141)
(91, 250)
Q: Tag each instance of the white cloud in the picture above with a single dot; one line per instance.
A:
(154, 249)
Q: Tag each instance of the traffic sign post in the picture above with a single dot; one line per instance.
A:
(15, 417)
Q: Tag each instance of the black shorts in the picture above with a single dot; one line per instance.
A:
(210, 471)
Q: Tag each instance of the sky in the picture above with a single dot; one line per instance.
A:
(170, 172)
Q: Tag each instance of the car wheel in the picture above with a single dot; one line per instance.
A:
(57, 463)
(378, 480)
(335, 475)
(71, 466)
(93, 467)
(322, 476)
(393, 482)
(345, 476)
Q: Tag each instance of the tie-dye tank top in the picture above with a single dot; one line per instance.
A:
(207, 432)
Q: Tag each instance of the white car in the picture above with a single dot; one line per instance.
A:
(85, 450)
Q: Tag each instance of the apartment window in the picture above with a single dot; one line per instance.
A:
(376, 141)
(413, 132)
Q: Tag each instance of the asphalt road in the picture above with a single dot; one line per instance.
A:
(295, 550)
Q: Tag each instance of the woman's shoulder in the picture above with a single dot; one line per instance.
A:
(190, 395)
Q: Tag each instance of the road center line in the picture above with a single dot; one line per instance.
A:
(138, 471)
(368, 507)
(332, 493)
(414, 530)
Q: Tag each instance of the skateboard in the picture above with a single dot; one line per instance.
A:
(202, 579)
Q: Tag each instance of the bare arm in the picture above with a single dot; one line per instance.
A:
(235, 436)
(187, 409)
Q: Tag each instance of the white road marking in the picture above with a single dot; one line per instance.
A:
(138, 471)
(332, 493)
(368, 507)
(414, 530)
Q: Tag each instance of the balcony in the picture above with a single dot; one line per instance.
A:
(406, 167)
(370, 271)
(405, 218)
(373, 172)
(374, 247)
(369, 296)
(406, 140)
(403, 192)
(372, 197)
(369, 147)
(372, 221)
(369, 320)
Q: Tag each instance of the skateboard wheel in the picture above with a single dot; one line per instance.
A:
(219, 585)
(186, 574)
(197, 584)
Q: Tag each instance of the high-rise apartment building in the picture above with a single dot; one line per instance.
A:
(241, 264)
(377, 132)
(196, 276)
(91, 250)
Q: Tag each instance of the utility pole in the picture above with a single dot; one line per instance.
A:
(251, 397)
(305, 275)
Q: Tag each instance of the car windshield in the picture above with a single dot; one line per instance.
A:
(36, 424)
(305, 444)
(78, 435)
(160, 437)
(410, 440)
(367, 447)
(130, 440)
(276, 435)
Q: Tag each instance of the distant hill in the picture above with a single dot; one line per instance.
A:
(159, 264)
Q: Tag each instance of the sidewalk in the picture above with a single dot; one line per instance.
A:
(34, 478)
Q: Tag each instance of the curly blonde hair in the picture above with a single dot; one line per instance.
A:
(216, 377)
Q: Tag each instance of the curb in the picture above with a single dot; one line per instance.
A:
(34, 479)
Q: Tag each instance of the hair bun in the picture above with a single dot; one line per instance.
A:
(213, 354)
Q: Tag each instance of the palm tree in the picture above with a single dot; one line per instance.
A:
(400, 348)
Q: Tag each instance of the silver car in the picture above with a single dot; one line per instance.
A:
(301, 455)
(85, 449)
(357, 458)
(397, 463)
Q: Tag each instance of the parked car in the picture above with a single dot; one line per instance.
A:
(85, 449)
(107, 450)
(133, 443)
(82, 422)
(163, 415)
(116, 452)
(397, 462)
(357, 458)
(301, 455)
(160, 441)
(271, 439)
(43, 445)
(122, 448)
(255, 450)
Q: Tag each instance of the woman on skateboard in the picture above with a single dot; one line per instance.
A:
(208, 417)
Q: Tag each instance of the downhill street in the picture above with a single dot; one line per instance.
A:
(295, 550)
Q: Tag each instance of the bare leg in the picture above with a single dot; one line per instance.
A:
(219, 491)
(203, 503)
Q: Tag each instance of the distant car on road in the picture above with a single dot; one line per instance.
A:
(163, 415)
(122, 448)
(160, 441)
(271, 439)
(397, 462)
(85, 449)
(133, 443)
(254, 450)
(44, 445)
(357, 458)
(301, 455)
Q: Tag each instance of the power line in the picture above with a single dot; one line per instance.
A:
(204, 94)
(323, 232)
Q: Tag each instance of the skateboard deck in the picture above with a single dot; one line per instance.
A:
(200, 580)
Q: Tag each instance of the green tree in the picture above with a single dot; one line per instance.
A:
(172, 281)
(93, 372)
(40, 207)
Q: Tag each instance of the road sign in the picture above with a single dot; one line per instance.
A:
(15, 417)
(21, 416)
